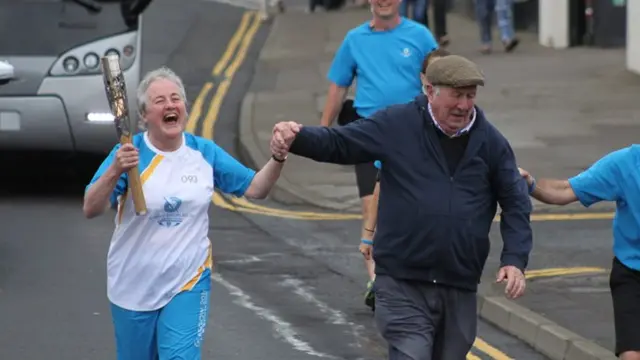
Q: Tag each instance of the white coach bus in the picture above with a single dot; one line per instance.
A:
(52, 95)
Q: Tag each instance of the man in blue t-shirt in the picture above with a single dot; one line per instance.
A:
(615, 177)
(385, 55)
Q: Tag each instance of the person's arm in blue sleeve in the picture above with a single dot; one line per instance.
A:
(231, 177)
(361, 141)
(105, 187)
(598, 183)
(513, 198)
(341, 75)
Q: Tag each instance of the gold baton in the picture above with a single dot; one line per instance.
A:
(116, 90)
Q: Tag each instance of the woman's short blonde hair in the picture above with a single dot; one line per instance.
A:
(150, 77)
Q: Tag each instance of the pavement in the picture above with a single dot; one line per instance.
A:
(560, 109)
(284, 289)
(553, 106)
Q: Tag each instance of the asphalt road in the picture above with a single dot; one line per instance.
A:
(284, 289)
(581, 302)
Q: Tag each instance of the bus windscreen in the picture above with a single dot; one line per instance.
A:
(51, 27)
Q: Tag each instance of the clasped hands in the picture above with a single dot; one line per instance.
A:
(283, 135)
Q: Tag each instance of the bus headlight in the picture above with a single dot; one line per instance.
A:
(96, 117)
(70, 64)
(112, 52)
(91, 60)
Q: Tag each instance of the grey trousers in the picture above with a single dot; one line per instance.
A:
(425, 321)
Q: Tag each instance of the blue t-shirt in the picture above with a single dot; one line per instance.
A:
(615, 177)
(386, 64)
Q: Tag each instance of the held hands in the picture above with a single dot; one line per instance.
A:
(126, 158)
(516, 282)
(283, 135)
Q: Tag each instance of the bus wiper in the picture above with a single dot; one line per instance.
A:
(90, 5)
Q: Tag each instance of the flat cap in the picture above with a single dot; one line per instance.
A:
(454, 71)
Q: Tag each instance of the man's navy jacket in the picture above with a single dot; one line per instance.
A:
(432, 225)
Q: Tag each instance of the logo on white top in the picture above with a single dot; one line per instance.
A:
(171, 216)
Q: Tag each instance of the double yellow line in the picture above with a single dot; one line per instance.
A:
(223, 72)
(487, 349)
(552, 272)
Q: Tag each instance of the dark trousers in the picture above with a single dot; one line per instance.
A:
(419, 14)
(425, 321)
(439, 18)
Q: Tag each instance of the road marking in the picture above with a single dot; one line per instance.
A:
(470, 356)
(246, 204)
(573, 216)
(248, 259)
(243, 205)
(222, 202)
(233, 44)
(335, 317)
(490, 350)
(214, 109)
(196, 110)
(533, 274)
(282, 328)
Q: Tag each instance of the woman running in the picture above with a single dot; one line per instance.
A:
(159, 265)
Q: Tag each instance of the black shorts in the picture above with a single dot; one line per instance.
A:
(625, 292)
(366, 173)
(366, 177)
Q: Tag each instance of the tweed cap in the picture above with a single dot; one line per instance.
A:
(454, 71)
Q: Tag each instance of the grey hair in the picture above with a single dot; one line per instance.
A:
(436, 90)
(150, 77)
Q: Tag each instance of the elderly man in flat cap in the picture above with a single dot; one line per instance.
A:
(444, 171)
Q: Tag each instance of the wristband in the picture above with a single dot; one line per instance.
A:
(532, 186)
(278, 160)
(368, 242)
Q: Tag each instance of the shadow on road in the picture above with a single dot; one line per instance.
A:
(36, 174)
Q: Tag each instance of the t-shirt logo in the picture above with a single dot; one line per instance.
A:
(172, 204)
(171, 216)
(406, 52)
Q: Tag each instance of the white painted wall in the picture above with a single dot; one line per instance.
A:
(633, 36)
(553, 23)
